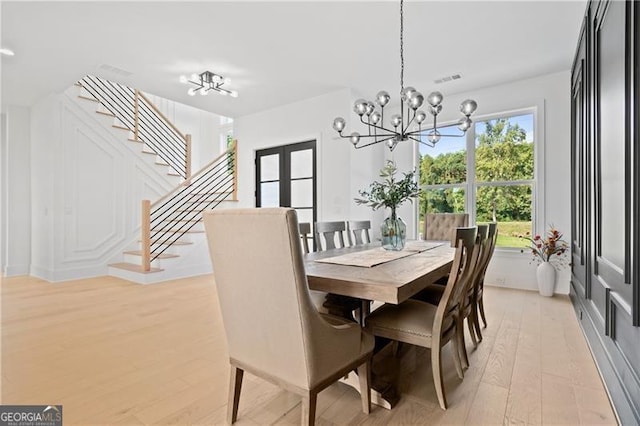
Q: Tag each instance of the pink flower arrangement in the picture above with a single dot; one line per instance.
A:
(545, 248)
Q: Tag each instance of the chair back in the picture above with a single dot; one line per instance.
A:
(487, 254)
(305, 231)
(483, 244)
(267, 312)
(358, 230)
(442, 226)
(466, 255)
(332, 235)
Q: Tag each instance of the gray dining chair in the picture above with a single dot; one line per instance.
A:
(305, 232)
(358, 231)
(331, 233)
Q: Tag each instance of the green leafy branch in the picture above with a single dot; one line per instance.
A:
(389, 193)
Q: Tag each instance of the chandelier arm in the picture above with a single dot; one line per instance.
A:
(374, 142)
(404, 132)
(419, 132)
(378, 127)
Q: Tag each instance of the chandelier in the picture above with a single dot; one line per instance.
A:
(408, 124)
(207, 81)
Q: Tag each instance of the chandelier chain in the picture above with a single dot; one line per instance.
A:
(401, 47)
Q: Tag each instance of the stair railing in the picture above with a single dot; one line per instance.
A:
(147, 123)
(165, 221)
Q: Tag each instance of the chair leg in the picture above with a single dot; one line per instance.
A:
(462, 349)
(456, 359)
(364, 377)
(436, 368)
(235, 385)
(481, 306)
(476, 322)
(309, 408)
(472, 332)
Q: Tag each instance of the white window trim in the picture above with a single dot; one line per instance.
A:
(538, 191)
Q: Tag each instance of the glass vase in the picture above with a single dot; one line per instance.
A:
(393, 232)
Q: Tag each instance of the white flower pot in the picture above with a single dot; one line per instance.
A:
(546, 275)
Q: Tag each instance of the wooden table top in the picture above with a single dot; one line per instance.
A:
(391, 282)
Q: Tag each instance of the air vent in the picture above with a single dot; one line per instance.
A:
(115, 70)
(447, 78)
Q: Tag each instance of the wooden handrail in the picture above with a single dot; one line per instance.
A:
(145, 228)
(157, 111)
(187, 160)
(198, 173)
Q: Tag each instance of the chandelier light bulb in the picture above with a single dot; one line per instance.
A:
(339, 124)
(223, 92)
(355, 138)
(192, 91)
(416, 100)
(464, 124)
(468, 107)
(233, 94)
(396, 120)
(195, 77)
(204, 92)
(433, 136)
(184, 79)
(420, 116)
(383, 98)
(375, 117)
(369, 108)
(434, 98)
(407, 92)
(360, 107)
(435, 110)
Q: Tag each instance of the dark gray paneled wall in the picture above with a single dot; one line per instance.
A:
(605, 205)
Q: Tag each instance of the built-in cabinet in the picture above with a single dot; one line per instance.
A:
(605, 166)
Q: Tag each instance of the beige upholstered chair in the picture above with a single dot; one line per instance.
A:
(423, 324)
(358, 231)
(272, 329)
(440, 226)
(329, 232)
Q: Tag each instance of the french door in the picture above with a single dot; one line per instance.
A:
(286, 177)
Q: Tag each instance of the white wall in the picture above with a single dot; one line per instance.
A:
(16, 192)
(340, 170)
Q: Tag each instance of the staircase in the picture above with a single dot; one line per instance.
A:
(172, 225)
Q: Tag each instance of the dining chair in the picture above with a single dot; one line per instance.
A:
(358, 230)
(330, 232)
(440, 226)
(423, 324)
(305, 231)
(479, 301)
(466, 305)
(272, 329)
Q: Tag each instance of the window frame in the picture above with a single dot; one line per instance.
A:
(470, 186)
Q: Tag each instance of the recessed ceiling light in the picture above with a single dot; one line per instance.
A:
(5, 51)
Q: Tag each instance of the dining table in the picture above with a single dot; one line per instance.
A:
(370, 273)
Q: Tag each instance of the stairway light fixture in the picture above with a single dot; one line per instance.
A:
(207, 81)
(7, 52)
(404, 128)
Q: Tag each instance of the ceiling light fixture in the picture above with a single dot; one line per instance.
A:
(5, 51)
(207, 81)
(403, 122)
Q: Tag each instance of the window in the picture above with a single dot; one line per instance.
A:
(489, 173)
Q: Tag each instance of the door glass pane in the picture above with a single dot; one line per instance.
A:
(301, 164)
(510, 206)
(504, 149)
(269, 167)
(270, 194)
(302, 193)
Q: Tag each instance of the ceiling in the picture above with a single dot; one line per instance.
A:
(281, 52)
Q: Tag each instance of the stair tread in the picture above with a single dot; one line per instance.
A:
(160, 256)
(86, 98)
(190, 231)
(177, 243)
(115, 126)
(135, 140)
(134, 268)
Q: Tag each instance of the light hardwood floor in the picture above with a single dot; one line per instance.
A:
(113, 352)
